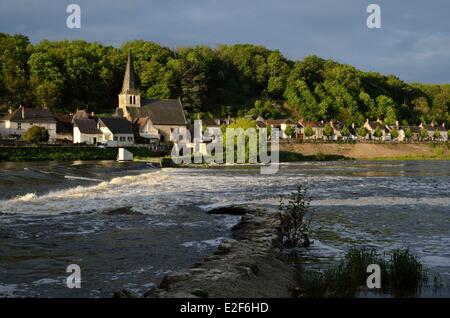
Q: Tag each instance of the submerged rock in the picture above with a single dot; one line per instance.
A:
(229, 210)
(121, 211)
(248, 265)
(124, 293)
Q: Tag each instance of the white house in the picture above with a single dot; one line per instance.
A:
(86, 131)
(17, 122)
(117, 132)
(282, 124)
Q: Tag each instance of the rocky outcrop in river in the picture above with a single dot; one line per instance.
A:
(247, 265)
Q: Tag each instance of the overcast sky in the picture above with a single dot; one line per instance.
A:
(413, 43)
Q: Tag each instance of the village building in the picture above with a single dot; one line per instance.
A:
(145, 131)
(317, 127)
(432, 128)
(282, 125)
(164, 116)
(117, 132)
(64, 128)
(17, 122)
(86, 131)
(371, 127)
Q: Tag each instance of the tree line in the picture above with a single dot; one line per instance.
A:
(227, 80)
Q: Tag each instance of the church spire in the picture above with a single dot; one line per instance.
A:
(129, 82)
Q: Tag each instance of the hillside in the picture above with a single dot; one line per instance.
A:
(226, 80)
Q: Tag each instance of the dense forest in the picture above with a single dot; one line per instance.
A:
(227, 80)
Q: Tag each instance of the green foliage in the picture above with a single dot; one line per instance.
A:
(345, 132)
(309, 131)
(402, 274)
(448, 134)
(362, 132)
(378, 132)
(226, 80)
(295, 219)
(290, 131)
(36, 134)
(328, 131)
(423, 134)
(68, 153)
(437, 134)
(408, 133)
(394, 133)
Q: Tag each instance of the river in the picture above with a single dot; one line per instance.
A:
(56, 214)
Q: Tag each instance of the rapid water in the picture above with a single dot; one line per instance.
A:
(54, 214)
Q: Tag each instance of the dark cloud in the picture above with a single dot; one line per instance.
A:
(413, 43)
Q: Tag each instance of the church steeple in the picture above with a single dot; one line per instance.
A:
(129, 82)
(129, 96)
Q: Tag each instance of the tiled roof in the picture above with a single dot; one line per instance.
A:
(64, 124)
(87, 126)
(278, 121)
(25, 114)
(116, 125)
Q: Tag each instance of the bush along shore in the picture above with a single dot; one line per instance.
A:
(257, 262)
(41, 153)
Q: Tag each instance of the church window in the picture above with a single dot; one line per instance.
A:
(131, 99)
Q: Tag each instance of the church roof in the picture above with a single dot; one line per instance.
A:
(160, 112)
(129, 81)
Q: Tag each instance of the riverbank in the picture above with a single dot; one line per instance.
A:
(366, 151)
(69, 153)
(247, 265)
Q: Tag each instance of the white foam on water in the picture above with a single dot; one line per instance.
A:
(9, 290)
(82, 178)
(201, 245)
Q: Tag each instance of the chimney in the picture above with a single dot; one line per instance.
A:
(10, 110)
(432, 124)
(353, 125)
(23, 112)
(443, 125)
(396, 124)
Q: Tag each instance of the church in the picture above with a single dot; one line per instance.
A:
(152, 119)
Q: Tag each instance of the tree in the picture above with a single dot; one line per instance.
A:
(378, 132)
(362, 132)
(408, 133)
(423, 134)
(437, 135)
(295, 219)
(36, 134)
(345, 132)
(448, 134)
(290, 131)
(328, 131)
(394, 133)
(309, 132)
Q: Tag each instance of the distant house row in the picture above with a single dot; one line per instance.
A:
(137, 120)
(370, 130)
